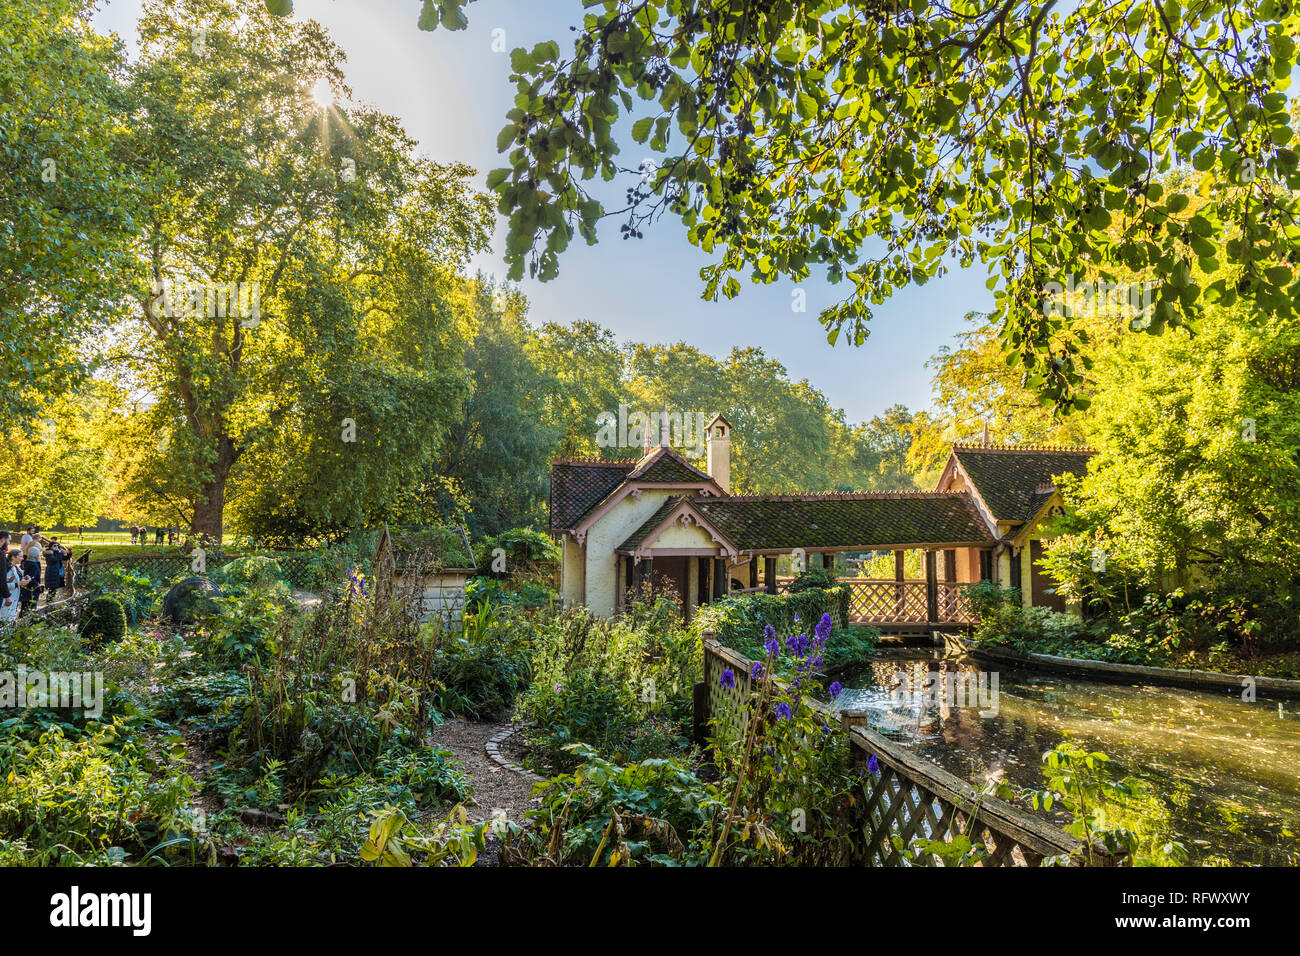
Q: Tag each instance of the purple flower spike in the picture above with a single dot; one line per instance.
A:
(728, 679)
(756, 672)
(835, 689)
(873, 766)
(783, 711)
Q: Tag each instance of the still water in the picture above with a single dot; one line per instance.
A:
(1221, 776)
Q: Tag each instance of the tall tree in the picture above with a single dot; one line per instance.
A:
(1197, 475)
(65, 198)
(350, 237)
(498, 450)
(587, 365)
(62, 468)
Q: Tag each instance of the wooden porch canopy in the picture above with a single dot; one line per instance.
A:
(871, 521)
(753, 526)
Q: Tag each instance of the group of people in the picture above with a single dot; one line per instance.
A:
(21, 584)
(140, 534)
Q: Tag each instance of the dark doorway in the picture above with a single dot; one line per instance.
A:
(1044, 588)
(670, 572)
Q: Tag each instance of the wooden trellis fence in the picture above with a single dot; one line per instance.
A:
(875, 601)
(908, 798)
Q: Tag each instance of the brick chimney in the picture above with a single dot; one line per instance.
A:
(717, 439)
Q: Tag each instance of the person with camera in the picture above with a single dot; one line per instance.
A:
(56, 556)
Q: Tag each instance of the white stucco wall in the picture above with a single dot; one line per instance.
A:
(679, 536)
(571, 560)
(1026, 575)
(611, 530)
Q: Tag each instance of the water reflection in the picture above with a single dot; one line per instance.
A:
(1222, 775)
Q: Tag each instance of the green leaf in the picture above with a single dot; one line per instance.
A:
(428, 16)
(641, 129)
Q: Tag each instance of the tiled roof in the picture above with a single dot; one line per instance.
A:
(867, 521)
(579, 485)
(1008, 477)
(642, 532)
(664, 464)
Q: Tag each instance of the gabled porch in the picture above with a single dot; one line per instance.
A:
(709, 548)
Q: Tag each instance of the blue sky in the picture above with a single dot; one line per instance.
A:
(452, 92)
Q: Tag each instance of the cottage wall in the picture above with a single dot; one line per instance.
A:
(683, 536)
(572, 558)
(609, 531)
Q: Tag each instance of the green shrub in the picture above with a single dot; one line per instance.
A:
(738, 621)
(598, 681)
(135, 590)
(523, 593)
(820, 578)
(665, 812)
(103, 621)
(526, 551)
(423, 777)
(242, 628)
(92, 801)
(479, 671)
(254, 572)
(849, 646)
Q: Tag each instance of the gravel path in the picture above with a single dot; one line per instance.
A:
(495, 787)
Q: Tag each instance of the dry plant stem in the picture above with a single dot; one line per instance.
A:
(604, 838)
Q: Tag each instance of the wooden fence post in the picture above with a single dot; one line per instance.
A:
(931, 589)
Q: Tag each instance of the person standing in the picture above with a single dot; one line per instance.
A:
(30, 564)
(135, 533)
(56, 556)
(13, 577)
(5, 591)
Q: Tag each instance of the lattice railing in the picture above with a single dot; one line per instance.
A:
(910, 799)
(887, 602)
(907, 798)
(875, 601)
(953, 605)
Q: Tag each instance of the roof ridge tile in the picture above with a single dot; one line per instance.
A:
(997, 446)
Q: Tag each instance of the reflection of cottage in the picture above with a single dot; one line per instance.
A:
(623, 522)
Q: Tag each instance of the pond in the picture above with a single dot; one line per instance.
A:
(1221, 776)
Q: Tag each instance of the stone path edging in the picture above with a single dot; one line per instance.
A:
(493, 749)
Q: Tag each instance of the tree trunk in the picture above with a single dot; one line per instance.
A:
(209, 509)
